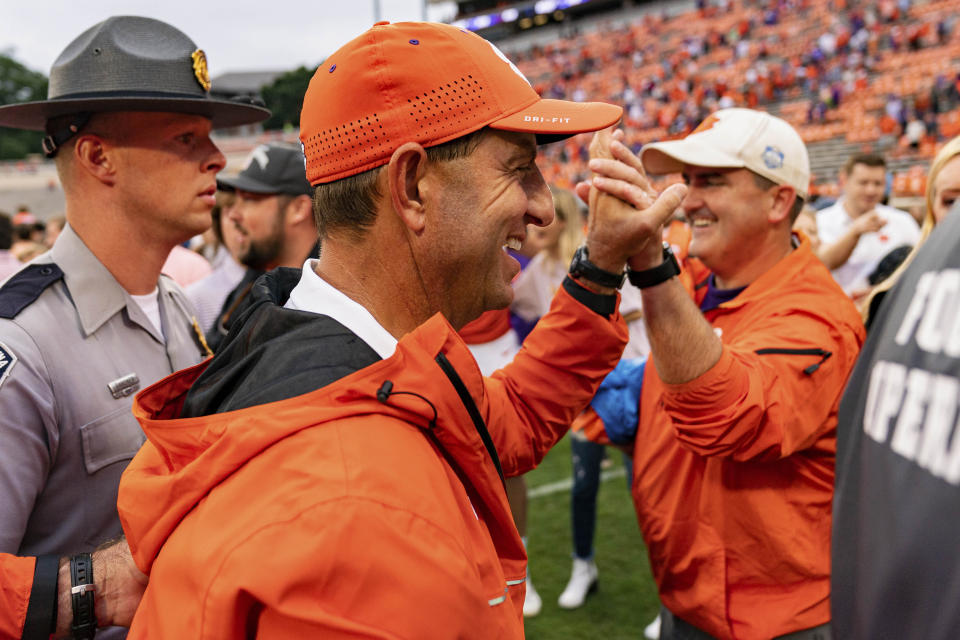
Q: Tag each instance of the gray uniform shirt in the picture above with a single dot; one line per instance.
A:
(65, 435)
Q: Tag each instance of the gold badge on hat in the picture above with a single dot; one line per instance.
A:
(200, 68)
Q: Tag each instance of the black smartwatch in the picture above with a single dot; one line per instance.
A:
(581, 267)
(650, 277)
(81, 580)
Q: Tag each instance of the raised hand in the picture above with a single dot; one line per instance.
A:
(626, 212)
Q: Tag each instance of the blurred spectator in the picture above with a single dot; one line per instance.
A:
(38, 231)
(23, 216)
(857, 231)
(185, 266)
(209, 294)
(943, 185)
(54, 227)
(9, 263)
(27, 250)
(915, 130)
(806, 222)
(535, 286)
(943, 189)
(931, 125)
(943, 95)
(273, 212)
(895, 110)
(23, 243)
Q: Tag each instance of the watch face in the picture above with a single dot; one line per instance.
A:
(581, 266)
(576, 265)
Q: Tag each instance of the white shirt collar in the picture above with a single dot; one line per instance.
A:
(316, 295)
(150, 305)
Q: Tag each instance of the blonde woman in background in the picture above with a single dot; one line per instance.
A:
(536, 284)
(943, 188)
(533, 291)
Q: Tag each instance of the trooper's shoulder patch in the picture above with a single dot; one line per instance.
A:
(25, 286)
(7, 360)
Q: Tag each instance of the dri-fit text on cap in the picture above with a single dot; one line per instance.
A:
(543, 119)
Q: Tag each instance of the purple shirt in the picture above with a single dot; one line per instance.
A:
(715, 297)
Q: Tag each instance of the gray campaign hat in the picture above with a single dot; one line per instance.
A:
(130, 63)
(271, 168)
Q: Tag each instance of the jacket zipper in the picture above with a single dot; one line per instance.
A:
(799, 352)
(472, 410)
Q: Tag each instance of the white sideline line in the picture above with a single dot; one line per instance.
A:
(566, 485)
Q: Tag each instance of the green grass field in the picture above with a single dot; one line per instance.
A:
(627, 598)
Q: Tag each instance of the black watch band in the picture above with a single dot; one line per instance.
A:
(581, 267)
(81, 580)
(661, 273)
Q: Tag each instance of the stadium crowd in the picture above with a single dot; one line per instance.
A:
(858, 71)
(310, 390)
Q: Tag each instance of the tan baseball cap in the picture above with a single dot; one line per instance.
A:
(733, 139)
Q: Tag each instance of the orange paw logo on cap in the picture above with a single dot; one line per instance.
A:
(502, 56)
(707, 123)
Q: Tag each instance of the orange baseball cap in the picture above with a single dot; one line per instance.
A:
(428, 83)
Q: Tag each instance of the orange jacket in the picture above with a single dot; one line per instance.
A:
(333, 514)
(733, 471)
(16, 582)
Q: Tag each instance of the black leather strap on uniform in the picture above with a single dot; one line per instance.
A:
(41, 619)
(82, 592)
(661, 273)
(601, 303)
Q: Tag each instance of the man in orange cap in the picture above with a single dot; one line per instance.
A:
(337, 468)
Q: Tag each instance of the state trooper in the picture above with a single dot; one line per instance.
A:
(85, 325)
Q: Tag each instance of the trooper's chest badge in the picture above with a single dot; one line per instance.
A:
(200, 68)
(122, 387)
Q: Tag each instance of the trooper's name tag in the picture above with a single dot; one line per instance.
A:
(122, 387)
(7, 360)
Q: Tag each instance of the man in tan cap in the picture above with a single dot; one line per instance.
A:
(734, 450)
(90, 322)
(336, 470)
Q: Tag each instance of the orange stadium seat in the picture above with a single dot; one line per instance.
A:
(901, 184)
